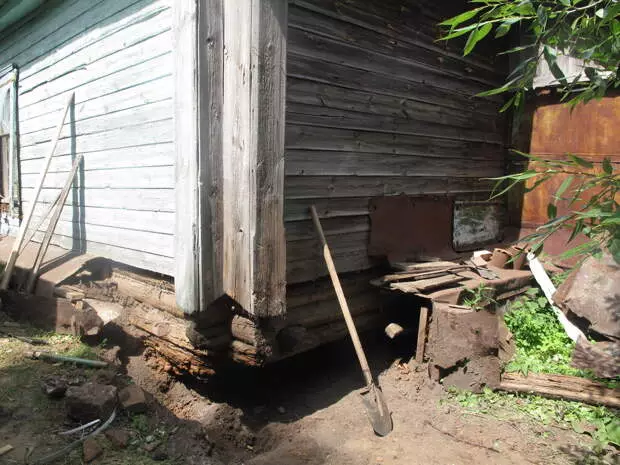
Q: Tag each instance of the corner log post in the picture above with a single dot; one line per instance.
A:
(252, 213)
(230, 84)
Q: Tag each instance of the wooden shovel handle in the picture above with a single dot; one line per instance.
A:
(341, 299)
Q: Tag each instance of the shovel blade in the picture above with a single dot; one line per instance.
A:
(377, 410)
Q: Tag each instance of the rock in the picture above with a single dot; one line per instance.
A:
(281, 410)
(54, 387)
(118, 437)
(133, 399)
(91, 401)
(112, 356)
(91, 450)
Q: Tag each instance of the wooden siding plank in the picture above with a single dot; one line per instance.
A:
(319, 163)
(312, 115)
(300, 187)
(146, 93)
(307, 68)
(99, 23)
(81, 73)
(158, 154)
(135, 220)
(346, 140)
(157, 67)
(333, 96)
(127, 117)
(128, 136)
(131, 199)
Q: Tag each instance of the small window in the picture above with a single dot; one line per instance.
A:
(9, 159)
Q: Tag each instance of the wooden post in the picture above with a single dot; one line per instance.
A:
(229, 127)
(253, 154)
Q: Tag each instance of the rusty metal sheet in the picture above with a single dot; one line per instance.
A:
(592, 292)
(476, 223)
(591, 130)
(414, 228)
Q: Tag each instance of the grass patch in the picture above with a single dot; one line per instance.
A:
(601, 423)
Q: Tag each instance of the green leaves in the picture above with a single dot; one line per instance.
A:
(476, 36)
(580, 161)
(462, 18)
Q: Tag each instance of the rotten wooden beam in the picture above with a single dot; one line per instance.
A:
(561, 387)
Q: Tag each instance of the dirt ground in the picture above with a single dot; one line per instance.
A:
(304, 411)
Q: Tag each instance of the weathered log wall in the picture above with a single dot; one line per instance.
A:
(375, 106)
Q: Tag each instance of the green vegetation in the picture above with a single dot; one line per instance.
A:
(542, 346)
(479, 297)
(599, 422)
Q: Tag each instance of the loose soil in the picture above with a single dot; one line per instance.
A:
(303, 411)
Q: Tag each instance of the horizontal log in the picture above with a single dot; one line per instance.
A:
(181, 361)
(346, 261)
(307, 187)
(304, 230)
(157, 293)
(323, 289)
(561, 387)
(299, 209)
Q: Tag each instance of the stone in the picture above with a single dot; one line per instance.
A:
(91, 450)
(118, 437)
(54, 388)
(133, 399)
(112, 356)
(159, 456)
(150, 447)
(91, 401)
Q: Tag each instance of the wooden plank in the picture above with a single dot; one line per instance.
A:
(426, 284)
(421, 343)
(153, 177)
(107, 66)
(157, 67)
(140, 114)
(332, 95)
(323, 115)
(153, 91)
(253, 167)
(303, 230)
(128, 136)
(348, 140)
(186, 138)
(96, 25)
(327, 50)
(322, 163)
(365, 37)
(155, 155)
(337, 74)
(561, 387)
(298, 209)
(347, 261)
(305, 187)
(141, 200)
(423, 266)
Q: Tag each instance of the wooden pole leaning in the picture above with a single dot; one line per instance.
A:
(8, 271)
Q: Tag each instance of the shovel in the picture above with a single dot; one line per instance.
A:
(372, 397)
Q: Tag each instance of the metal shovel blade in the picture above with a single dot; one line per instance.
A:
(377, 410)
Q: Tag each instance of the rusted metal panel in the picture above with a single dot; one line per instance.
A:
(476, 223)
(411, 227)
(589, 131)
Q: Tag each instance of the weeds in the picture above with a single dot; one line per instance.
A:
(599, 422)
(479, 297)
(542, 345)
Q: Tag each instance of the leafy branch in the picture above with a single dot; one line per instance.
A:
(588, 30)
(589, 198)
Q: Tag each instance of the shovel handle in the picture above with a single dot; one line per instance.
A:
(341, 299)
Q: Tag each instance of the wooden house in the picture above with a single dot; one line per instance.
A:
(209, 127)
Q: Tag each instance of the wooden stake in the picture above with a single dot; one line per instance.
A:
(4, 284)
(421, 345)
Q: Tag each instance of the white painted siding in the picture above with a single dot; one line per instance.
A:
(116, 55)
